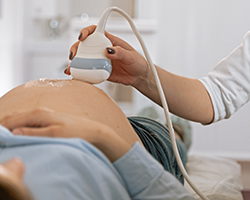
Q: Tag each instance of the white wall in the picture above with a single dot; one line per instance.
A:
(197, 34)
(11, 34)
(194, 36)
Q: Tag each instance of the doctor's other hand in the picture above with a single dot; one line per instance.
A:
(44, 122)
(128, 65)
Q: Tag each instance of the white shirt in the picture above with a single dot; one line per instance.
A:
(228, 84)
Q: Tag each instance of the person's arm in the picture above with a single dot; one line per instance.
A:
(48, 123)
(144, 177)
(186, 97)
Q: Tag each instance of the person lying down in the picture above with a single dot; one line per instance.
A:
(76, 143)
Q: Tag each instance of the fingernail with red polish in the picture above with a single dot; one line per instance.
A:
(110, 50)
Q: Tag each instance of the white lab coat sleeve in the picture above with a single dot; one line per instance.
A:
(228, 84)
(145, 178)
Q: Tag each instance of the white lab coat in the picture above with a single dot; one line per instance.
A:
(228, 84)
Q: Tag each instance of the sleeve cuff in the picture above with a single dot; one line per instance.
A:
(205, 81)
(138, 169)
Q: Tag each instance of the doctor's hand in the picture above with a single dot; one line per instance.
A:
(43, 122)
(128, 65)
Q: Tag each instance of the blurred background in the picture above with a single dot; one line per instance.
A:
(185, 37)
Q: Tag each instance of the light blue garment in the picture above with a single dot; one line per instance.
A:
(58, 169)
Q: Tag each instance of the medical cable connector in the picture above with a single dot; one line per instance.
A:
(87, 67)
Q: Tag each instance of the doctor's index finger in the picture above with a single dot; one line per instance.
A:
(85, 32)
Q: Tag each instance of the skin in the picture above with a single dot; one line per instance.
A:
(186, 97)
(68, 108)
(13, 171)
(43, 122)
